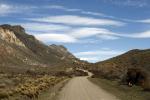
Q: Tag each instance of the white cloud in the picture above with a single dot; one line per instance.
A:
(145, 34)
(125, 3)
(98, 52)
(72, 35)
(80, 35)
(87, 32)
(6, 9)
(80, 11)
(62, 8)
(78, 20)
(68, 34)
(144, 21)
(108, 37)
(94, 13)
(91, 59)
(133, 3)
(77, 35)
(63, 38)
(43, 27)
(141, 35)
(76, 10)
(98, 55)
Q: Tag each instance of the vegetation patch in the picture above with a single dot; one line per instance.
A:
(26, 85)
(121, 91)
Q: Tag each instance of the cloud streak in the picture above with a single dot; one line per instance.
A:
(55, 33)
(6, 9)
(147, 21)
(132, 3)
(141, 35)
(78, 20)
(52, 37)
(44, 27)
(98, 55)
(62, 8)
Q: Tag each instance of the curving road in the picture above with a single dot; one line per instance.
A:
(80, 88)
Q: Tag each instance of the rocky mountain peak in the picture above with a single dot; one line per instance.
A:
(7, 34)
(18, 29)
(60, 49)
(15, 28)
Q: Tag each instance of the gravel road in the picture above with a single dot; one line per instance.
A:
(80, 88)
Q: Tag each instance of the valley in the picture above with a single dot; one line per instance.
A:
(32, 70)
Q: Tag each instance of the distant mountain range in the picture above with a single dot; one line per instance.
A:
(21, 50)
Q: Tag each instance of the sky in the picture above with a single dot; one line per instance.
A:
(93, 30)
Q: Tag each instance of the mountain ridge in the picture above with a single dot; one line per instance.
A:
(118, 66)
(17, 48)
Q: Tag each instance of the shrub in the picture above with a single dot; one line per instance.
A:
(3, 94)
(146, 84)
(136, 76)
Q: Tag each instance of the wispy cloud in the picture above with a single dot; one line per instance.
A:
(132, 3)
(53, 32)
(88, 32)
(108, 37)
(52, 37)
(100, 52)
(62, 8)
(67, 34)
(147, 21)
(59, 7)
(117, 2)
(98, 55)
(6, 9)
(44, 27)
(78, 20)
(141, 35)
(91, 59)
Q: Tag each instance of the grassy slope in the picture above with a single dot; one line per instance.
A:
(117, 67)
(121, 91)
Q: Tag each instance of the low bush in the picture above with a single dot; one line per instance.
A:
(136, 76)
(31, 88)
(146, 84)
(3, 94)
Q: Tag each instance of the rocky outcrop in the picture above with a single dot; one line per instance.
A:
(62, 51)
(8, 35)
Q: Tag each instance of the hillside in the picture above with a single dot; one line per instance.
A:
(19, 50)
(117, 67)
(127, 76)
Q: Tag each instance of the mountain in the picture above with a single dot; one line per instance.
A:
(117, 67)
(21, 50)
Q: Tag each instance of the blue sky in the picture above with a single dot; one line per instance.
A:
(92, 30)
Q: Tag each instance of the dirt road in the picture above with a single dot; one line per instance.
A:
(80, 88)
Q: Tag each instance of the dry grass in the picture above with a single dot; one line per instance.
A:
(122, 91)
(26, 85)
